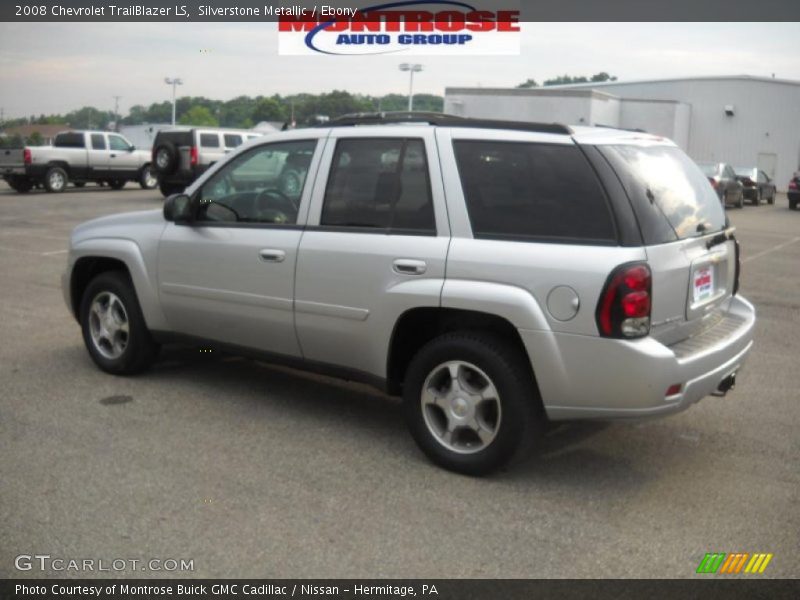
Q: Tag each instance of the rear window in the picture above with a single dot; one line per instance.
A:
(69, 140)
(528, 191)
(209, 140)
(671, 196)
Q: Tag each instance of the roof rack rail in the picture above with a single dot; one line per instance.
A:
(441, 120)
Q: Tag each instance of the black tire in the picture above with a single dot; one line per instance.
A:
(771, 198)
(55, 180)
(116, 184)
(148, 177)
(521, 418)
(140, 350)
(793, 204)
(165, 158)
(167, 189)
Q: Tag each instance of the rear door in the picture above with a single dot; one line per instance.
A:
(98, 154)
(375, 245)
(681, 219)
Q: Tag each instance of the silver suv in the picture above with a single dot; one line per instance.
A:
(494, 274)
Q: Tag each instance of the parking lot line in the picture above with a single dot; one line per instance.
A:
(771, 250)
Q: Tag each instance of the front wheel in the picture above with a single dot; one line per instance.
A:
(470, 402)
(114, 330)
(148, 178)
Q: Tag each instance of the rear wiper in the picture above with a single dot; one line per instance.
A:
(721, 237)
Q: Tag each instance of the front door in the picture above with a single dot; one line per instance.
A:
(229, 275)
(123, 163)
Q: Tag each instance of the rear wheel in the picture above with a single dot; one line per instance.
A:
(114, 330)
(470, 402)
(771, 198)
(148, 178)
(793, 204)
(55, 180)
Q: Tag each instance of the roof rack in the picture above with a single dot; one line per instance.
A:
(441, 120)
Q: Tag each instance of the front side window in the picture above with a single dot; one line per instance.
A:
(232, 140)
(380, 184)
(98, 141)
(118, 143)
(209, 140)
(532, 191)
(262, 186)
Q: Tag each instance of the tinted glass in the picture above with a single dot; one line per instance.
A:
(381, 184)
(98, 141)
(118, 143)
(209, 140)
(532, 191)
(69, 140)
(671, 196)
(263, 185)
(232, 141)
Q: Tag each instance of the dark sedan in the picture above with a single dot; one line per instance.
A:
(757, 185)
(794, 191)
(723, 179)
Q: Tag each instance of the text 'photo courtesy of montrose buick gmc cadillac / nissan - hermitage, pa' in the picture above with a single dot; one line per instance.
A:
(496, 275)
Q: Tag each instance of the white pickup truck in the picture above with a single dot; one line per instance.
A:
(78, 157)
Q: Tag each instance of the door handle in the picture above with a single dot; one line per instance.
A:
(270, 255)
(409, 266)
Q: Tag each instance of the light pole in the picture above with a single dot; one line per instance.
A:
(411, 68)
(174, 82)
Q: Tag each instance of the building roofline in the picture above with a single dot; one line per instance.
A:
(598, 84)
(541, 91)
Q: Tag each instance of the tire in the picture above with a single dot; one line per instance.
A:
(111, 348)
(793, 204)
(740, 203)
(55, 180)
(148, 178)
(757, 199)
(167, 189)
(771, 198)
(116, 184)
(509, 418)
(165, 158)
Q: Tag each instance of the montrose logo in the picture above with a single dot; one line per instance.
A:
(410, 27)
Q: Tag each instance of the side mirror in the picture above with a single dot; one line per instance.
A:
(178, 208)
(131, 148)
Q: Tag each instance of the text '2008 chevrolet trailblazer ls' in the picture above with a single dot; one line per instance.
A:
(496, 275)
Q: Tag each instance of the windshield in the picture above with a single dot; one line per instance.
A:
(672, 197)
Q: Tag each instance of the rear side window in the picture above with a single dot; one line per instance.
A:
(670, 194)
(209, 140)
(232, 140)
(531, 191)
(98, 141)
(380, 184)
(69, 140)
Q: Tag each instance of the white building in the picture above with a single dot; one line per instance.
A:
(741, 120)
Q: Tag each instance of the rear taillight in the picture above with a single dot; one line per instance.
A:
(713, 182)
(193, 156)
(792, 185)
(624, 307)
(26, 156)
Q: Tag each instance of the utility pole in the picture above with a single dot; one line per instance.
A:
(116, 112)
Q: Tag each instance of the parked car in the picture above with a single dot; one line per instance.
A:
(181, 155)
(723, 179)
(78, 157)
(504, 275)
(793, 191)
(757, 185)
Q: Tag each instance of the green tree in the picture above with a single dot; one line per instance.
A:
(566, 79)
(35, 139)
(198, 115)
(530, 83)
(268, 109)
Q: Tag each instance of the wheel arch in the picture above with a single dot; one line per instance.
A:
(418, 326)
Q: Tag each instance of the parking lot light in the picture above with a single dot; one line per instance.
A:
(174, 82)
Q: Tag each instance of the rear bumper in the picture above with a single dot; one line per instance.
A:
(583, 377)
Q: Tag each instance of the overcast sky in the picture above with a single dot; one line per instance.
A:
(56, 67)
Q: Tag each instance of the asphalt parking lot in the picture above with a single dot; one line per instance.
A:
(252, 470)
